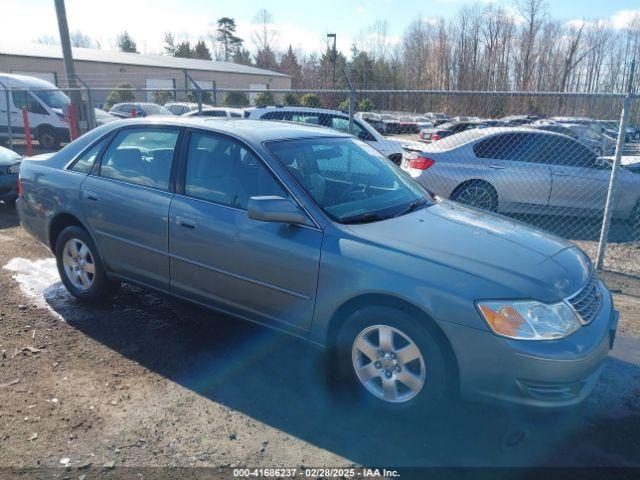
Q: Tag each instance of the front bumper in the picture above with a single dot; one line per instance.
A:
(542, 374)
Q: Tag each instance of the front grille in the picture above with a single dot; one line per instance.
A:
(587, 301)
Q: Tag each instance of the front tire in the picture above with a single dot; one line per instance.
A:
(391, 360)
(80, 266)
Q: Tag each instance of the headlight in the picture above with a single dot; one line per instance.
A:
(529, 320)
(15, 168)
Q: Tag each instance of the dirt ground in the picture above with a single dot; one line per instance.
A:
(150, 381)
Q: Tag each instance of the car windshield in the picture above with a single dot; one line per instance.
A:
(446, 126)
(351, 181)
(53, 98)
(387, 117)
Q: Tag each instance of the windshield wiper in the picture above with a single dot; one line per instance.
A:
(364, 218)
(413, 206)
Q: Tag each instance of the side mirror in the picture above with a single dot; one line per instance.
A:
(276, 209)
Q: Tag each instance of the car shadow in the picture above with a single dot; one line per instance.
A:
(8, 216)
(286, 383)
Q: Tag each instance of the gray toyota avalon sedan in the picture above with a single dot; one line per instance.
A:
(316, 233)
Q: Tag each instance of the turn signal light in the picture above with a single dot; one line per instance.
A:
(421, 163)
(19, 187)
(505, 321)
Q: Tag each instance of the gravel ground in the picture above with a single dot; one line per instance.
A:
(150, 381)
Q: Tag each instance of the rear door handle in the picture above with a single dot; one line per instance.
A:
(185, 222)
(560, 173)
(497, 167)
(90, 196)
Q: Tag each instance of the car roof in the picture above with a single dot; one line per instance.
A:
(276, 108)
(252, 131)
(13, 80)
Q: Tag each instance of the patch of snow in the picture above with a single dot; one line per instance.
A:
(40, 281)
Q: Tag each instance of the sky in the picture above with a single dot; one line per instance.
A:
(301, 23)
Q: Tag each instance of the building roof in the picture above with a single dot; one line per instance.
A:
(37, 50)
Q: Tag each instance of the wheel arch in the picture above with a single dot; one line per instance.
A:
(471, 181)
(384, 300)
(59, 223)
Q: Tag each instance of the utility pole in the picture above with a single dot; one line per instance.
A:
(333, 57)
(65, 42)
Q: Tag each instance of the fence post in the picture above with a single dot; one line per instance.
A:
(91, 113)
(608, 209)
(352, 99)
(27, 131)
(198, 91)
(73, 123)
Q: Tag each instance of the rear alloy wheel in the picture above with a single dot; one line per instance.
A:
(392, 360)
(80, 267)
(477, 194)
(48, 139)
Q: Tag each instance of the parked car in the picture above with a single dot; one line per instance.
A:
(332, 119)
(123, 110)
(521, 170)
(423, 122)
(390, 123)
(600, 143)
(9, 167)
(611, 128)
(445, 130)
(222, 112)
(437, 118)
(313, 232)
(103, 117)
(518, 120)
(407, 124)
(180, 108)
(46, 106)
(373, 119)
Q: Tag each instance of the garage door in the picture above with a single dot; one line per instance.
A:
(48, 76)
(159, 85)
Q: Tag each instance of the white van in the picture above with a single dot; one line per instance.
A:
(333, 119)
(46, 106)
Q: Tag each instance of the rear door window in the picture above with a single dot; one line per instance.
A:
(141, 156)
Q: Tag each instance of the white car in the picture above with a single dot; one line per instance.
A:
(221, 112)
(46, 110)
(392, 149)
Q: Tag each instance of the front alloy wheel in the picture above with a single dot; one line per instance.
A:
(388, 363)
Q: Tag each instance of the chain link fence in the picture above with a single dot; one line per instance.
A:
(546, 159)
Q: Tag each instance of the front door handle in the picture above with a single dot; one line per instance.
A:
(560, 173)
(185, 222)
(497, 167)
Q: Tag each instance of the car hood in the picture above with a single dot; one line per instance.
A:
(511, 258)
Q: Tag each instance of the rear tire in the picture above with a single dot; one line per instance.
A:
(478, 194)
(48, 139)
(408, 371)
(80, 267)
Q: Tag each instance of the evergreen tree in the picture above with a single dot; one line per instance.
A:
(126, 43)
(201, 51)
(226, 35)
